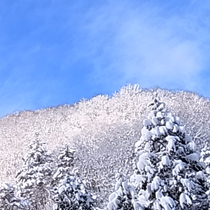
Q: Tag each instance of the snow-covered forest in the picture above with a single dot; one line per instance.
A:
(138, 149)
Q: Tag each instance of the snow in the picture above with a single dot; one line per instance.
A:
(155, 183)
(175, 129)
(192, 145)
(160, 115)
(147, 147)
(138, 143)
(146, 133)
(124, 195)
(167, 203)
(200, 175)
(171, 143)
(163, 130)
(182, 130)
(187, 138)
(165, 161)
(180, 166)
(155, 121)
(177, 120)
(185, 200)
(137, 180)
(143, 161)
(147, 123)
(192, 157)
(169, 125)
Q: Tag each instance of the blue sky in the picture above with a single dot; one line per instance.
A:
(56, 52)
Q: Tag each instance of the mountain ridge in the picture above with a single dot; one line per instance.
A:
(103, 130)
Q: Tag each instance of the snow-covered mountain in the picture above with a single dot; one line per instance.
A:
(102, 131)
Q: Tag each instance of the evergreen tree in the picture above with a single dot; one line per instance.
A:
(123, 197)
(205, 158)
(69, 193)
(65, 164)
(35, 177)
(168, 174)
(9, 201)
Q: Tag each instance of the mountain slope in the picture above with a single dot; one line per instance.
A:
(102, 130)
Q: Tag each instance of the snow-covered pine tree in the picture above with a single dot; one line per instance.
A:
(124, 196)
(65, 164)
(9, 201)
(168, 174)
(205, 158)
(69, 193)
(35, 177)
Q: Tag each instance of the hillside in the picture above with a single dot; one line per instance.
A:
(103, 130)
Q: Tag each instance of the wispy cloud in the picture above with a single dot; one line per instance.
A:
(59, 52)
(149, 44)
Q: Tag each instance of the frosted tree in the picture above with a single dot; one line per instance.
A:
(9, 201)
(65, 164)
(205, 158)
(71, 194)
(168, 173)
(35, 177)
(69, 191)
(124, 196)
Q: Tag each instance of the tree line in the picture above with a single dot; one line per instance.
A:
(169, 173)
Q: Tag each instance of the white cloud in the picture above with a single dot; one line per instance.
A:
(141, 43)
